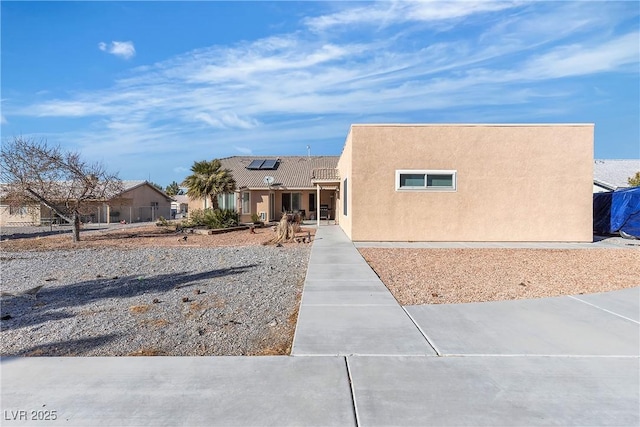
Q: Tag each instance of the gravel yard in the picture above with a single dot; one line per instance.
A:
(450, 276)
(144, 292)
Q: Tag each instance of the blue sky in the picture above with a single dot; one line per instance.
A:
(150, 87)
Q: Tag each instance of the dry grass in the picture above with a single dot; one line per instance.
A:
(444, 276)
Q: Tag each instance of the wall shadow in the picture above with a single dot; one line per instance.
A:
(66, 348)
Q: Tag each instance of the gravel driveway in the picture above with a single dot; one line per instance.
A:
(178, 301)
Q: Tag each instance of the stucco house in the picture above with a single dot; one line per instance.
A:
(433, 182)
(613, 174)
(269, 186)
(467, 182)
(138, 202)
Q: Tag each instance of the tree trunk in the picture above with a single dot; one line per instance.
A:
(49, 205)
(214, 202)
(76, 227)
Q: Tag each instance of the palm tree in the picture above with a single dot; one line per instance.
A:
(209, 180)
(173, 189)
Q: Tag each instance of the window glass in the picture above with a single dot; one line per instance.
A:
(344, 197)
(245, 203)
(296, 199)
(227, 201)
(440, 180)
(286, 202)
(426, 180)
(412, 180)
(312, 202)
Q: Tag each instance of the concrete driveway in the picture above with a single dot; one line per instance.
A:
(361, 359)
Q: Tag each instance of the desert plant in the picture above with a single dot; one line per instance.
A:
(212, 218)
(209, 179)
(285, 231)
(255, 218)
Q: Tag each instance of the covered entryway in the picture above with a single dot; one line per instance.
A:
(327, 184)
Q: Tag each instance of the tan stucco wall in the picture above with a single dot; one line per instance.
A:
(135, 205)
(344, 170)
(514, 183)
(31, 216)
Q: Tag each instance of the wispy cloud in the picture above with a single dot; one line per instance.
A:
(225, 120)
(254, 96)
(124, 50)
(393, 12)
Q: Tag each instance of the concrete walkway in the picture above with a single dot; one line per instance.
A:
(347, 310)
(361, 359)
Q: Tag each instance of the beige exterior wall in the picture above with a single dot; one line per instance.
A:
(259, 202)
(514, 183)
(136, 205)
(345, 172)
(27, 215)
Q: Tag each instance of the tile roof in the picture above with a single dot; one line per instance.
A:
(292, 171)
(615, 173)
(324, 174)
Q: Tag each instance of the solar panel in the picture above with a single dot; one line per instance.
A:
(256, 164)
(269, 164)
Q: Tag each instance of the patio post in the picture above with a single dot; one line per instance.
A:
(318, 204)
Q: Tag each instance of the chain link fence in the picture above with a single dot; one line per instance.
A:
(120, 214)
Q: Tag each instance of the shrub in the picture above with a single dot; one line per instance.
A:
(255, 218)
(212, 218)
(225, 218)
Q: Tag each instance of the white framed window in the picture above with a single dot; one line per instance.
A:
(246, 202)
(426, 180)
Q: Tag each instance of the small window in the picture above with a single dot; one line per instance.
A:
(426, 180)
(344, 197)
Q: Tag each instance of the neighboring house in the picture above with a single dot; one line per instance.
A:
(15, 216)
(424, 182)
(611, 175)
(269, 186)
(179, 206)
(139, 201)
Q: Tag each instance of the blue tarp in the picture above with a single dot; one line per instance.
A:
(617, 211)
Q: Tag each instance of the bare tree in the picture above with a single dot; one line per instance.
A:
(32, 171)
